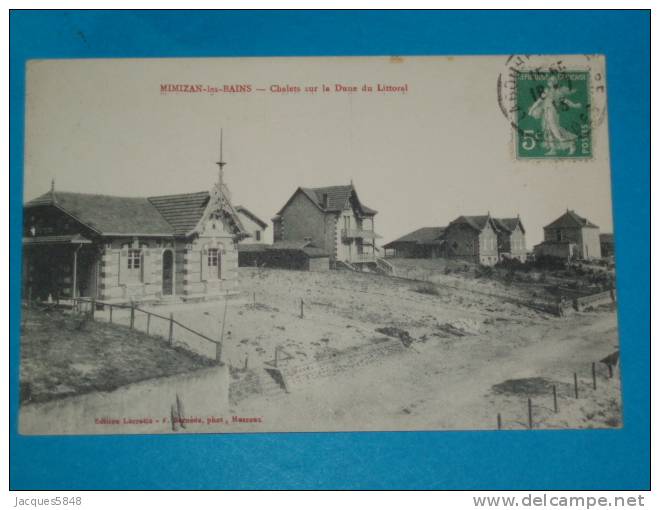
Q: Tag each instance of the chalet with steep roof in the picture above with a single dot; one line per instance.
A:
(254, 225)
(570, 237)
(484, 239)
(123, 249)
(333, 219)
(511, 239)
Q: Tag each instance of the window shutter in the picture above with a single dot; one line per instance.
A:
(123, 265)
(147, 268)
(205, 265)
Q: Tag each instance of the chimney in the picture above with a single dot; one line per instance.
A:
(324, 201)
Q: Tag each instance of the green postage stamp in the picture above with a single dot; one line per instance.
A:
(553, 114)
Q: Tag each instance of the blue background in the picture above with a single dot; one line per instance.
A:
(605, 459)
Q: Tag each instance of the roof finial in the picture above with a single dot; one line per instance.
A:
(221, 165)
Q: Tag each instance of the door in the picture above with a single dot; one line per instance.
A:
(168, 272)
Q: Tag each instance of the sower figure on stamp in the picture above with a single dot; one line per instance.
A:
(546, 108)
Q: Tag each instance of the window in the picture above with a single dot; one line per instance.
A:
(134, 257)
(213, 257)
(257, 235)
(213, 261)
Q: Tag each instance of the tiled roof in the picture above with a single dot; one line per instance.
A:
(165, 215)
(108, 214)
(425, 235)
(476, 222)
(337, 198)
(509, 224)
(571, 220)
(182, 211)
(251, 215)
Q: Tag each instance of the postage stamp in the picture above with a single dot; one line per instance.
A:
(554, 105)
(553, 114)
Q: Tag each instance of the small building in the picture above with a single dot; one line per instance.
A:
(296, 255)
(511, 239)
(254, 225)
(426, 242)
(333, 219)
(570, 236)
(473, 238)
(607, 245)
(122, 249)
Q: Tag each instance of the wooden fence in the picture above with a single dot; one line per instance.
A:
(90, 306)
(608, 296)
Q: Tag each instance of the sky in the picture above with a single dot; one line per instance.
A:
(422, 157)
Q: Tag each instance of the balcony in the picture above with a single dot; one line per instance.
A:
(356, 233)
(361, 258)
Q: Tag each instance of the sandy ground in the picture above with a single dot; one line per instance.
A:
(467, 339)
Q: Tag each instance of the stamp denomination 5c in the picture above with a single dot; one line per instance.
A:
(553, 114)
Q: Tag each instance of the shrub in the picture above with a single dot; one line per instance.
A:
(427, 288)
(483, 272)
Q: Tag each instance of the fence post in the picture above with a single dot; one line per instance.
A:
(218, 353)
(554, 397)
(93, 308)
(171, 337)
(302, 309)
(575, 384)
(245, 367)
(148, 322)
(499, 421)
(529, 412)
(132, 315)
(593, 373)
(610, 370)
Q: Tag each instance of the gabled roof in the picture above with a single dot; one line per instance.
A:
(476, 222)
(337, 198)
(166, 215)
(509, 224)
(570, 219)
(424, 235)
(108, 214)
(251, 215)
(183, 211)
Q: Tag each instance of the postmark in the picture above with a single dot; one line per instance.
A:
(554, 105)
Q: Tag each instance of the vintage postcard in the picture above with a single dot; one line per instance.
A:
(318, 244)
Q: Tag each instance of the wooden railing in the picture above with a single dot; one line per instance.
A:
(90, 306)
(362, 257)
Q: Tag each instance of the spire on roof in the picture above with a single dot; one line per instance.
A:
(221, 165)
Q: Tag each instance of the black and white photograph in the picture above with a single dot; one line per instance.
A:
(241, 245)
